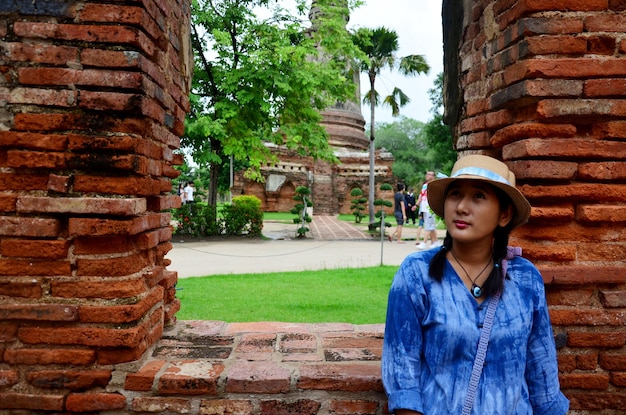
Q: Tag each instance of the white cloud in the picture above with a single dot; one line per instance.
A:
(418, 25)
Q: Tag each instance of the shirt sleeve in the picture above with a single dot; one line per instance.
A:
(401, 359)
(541, 364)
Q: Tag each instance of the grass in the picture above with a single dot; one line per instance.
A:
(357, 296)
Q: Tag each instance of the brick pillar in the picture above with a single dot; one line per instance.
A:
(93, 97)
(544, 87)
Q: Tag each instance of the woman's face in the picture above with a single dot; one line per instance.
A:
(472, 211)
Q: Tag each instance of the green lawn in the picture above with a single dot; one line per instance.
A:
(357, 296)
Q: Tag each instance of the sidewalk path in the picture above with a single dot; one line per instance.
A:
(333, 244)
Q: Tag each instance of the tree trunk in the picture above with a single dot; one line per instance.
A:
(372, 148)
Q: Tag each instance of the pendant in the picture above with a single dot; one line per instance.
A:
(476, 291)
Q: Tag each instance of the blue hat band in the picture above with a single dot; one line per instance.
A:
(477, 171)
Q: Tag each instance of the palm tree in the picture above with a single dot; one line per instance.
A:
(381, 45)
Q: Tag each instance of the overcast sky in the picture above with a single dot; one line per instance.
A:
(418, 25)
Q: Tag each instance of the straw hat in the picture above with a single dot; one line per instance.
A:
(487, 169)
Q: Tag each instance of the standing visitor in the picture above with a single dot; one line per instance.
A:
(399, 211)
(430, 225)
(468, 329)
(188, 190)
(411, 208)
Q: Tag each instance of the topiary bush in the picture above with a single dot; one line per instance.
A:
(301, 210)
(358, 204)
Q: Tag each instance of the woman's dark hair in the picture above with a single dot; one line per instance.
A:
(500, 242)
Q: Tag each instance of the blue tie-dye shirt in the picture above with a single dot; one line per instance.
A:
(432, 334)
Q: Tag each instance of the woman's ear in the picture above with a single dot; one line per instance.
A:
(506, 216)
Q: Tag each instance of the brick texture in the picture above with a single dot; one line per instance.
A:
(544, 81)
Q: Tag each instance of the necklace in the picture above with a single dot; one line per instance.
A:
(476, 289)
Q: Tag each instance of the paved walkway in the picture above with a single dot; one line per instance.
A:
(333, 244)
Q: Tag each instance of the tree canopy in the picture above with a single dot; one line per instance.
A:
(260, 80)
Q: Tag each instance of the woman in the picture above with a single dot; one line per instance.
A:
(439, 300)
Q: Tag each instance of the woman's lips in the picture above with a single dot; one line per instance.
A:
(460, 224)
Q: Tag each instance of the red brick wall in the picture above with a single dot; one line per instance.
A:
(544, 87)
(93, 97)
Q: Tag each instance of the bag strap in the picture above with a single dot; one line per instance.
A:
(479, 360)
(481, 353)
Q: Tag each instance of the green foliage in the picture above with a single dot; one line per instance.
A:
(301, 210)
(439, 137)
(196, 219)
(358, 204)
(355, 295)
(260, 80)
(243, 217)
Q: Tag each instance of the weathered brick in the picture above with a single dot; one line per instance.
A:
(89, 402)
(49, 356)
(547, 45)
(83, 205)
(602, 171)
(107, 288)
(613, 361)
(9, 377)
(587, 361)
(525, 130)
(168, 405)
(601, 213)
(60, 184)
(532, 89)
(613, 252)
(588, 381)
(193, 377)
(18, 267)
(44, 97)
(8, 331)
(34, 141)
(120, 313)
(86, 336)
(596, 339)
(29, 227)
(596, 400)
(109, 58)
(117, 185)
(257, 377)
(86, 77)
(112, 267)
(562, 148)
(226, 406)
(14, 182)
(605, 22)
(583, 275)
(569, 297)
(41, 53)
(586, 317)
(74, 380)
(613, 299)
(86, 33)
(353, 407)
(35, 160)
(104, 245)
(300, 406)
(39, 312)
(50, 249)
(25, 287)
(41, 402)
(145, 377)
(80, 227)
(577, 192)
(8, 202)
(120, 14)
(345, 377)
(618, 379)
